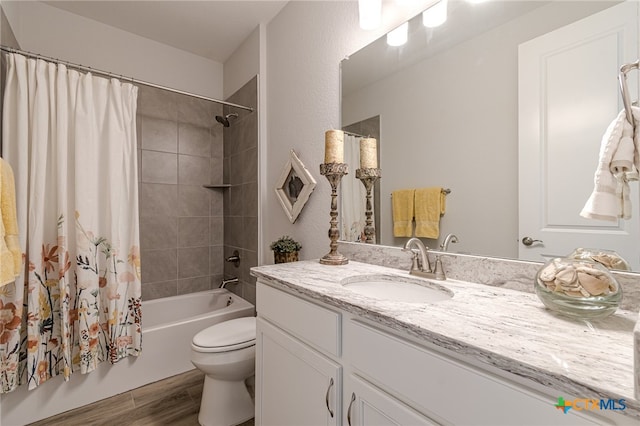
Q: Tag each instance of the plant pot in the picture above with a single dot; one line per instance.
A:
(285, 257)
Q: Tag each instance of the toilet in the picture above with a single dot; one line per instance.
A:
(226, 353)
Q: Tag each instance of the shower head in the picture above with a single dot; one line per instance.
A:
(225, 120)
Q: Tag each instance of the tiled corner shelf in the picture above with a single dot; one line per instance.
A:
(218, 186)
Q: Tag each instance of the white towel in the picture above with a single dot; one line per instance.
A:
(618, 164)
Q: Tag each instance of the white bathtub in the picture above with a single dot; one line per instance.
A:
(168, 325)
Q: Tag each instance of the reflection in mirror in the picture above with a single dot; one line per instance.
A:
(449, 104)
(352, 211)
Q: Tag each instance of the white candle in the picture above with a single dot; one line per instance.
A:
(368, 153)
(334, 146)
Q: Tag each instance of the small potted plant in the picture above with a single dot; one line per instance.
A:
(285, 249)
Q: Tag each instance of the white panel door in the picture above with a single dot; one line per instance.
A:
(295, 385)
(568, 95)
(370, 406)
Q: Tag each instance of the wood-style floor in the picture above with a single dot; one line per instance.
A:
(172, 401)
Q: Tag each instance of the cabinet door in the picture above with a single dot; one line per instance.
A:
(370, 406)
(295, 385)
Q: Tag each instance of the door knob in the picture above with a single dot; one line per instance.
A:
(528, 241)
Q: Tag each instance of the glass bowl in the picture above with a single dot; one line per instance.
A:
(578, 288)
(607, 258)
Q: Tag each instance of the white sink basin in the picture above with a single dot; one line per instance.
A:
(397, 289)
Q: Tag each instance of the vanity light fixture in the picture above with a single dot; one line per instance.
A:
(370, 14)
(436, 15)
(398, 36)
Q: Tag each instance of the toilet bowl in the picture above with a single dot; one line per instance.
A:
(226, 353)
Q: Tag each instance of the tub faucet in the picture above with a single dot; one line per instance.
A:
(233, 280)
(450, 238)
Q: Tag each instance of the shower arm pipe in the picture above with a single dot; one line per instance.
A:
(120, 77)
(622, 78)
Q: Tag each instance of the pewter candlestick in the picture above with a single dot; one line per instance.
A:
(368, 177)
(334, 173)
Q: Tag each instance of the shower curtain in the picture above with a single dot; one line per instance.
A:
(353, 205)
(71, 141)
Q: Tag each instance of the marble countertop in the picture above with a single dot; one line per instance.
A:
(507, 329)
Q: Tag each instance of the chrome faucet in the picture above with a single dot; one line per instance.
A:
(450, 238)
(425, 266)
(225, 283)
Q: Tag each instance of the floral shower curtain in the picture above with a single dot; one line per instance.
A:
(71, 141)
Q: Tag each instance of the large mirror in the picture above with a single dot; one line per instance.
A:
(454, 105)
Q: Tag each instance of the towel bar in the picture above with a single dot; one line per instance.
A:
(622, 78)
(445, 190)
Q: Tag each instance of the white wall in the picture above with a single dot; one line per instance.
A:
(243, 64)
(305, 44)
(50, 31)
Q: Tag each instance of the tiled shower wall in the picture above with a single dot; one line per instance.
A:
(180, 148)
(241, 199)
(186, 230)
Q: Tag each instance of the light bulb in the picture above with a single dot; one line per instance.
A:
(436, 15)
(398, 37)
(370, 14)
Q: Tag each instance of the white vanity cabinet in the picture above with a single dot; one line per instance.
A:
(318, 365)
(297, 381)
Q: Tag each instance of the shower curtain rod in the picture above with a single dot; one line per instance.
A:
(120, 77)
(354, 134)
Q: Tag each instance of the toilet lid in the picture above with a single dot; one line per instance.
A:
(228, 335)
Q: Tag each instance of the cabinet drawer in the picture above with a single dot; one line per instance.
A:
(447, 390)
(311, 323)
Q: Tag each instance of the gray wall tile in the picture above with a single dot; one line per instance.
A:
(158, 265)
(216, 262)
(159, 167)
(193, 231)
(194, 140)
(157, 103)
(158, 200)
(216, 231)
(217, 199)
(196, 200)
(197, 111)
(192, 285)
(217, 172)
(193, 170)
(159, 290)
(193, 262)
(159, 135)
(249, 172)
(250, 199)
(158, 232)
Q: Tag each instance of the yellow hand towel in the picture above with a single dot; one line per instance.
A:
(10, 253)
(430, 205)
(403, 212)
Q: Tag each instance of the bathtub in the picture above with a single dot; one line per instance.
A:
(168, 325)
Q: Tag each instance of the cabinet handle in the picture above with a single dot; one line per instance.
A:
(353, 398)
(327, 397)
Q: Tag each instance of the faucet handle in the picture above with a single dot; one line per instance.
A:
(439, 270)
(414, 261)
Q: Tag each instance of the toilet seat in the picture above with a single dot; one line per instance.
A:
(226, 336)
